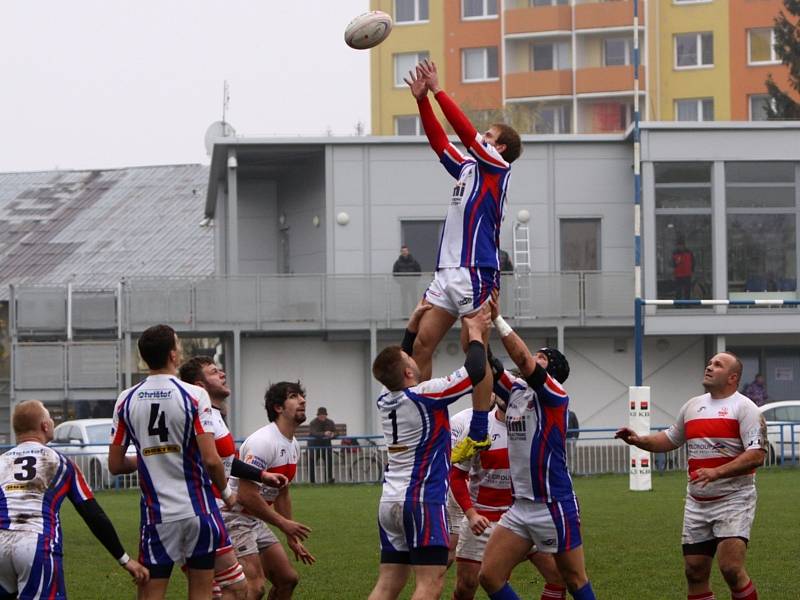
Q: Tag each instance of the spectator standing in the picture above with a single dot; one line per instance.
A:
(506, 266)
(682, 270)
(322, 431)
(407, 269)
(756, 390)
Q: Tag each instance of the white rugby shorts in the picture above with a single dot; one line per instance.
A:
(472, 547)
(454, 514)
(248, 534)
(462, 290)
(731, 516)
(26, 572)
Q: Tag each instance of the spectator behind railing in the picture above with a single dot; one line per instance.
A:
(322, 431)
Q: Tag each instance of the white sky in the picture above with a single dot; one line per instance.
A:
(113, 83)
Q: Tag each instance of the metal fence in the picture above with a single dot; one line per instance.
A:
(362, 459)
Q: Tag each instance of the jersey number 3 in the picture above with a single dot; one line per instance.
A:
(158, 423)
(28, 465)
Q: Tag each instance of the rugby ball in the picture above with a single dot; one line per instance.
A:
(368, 30)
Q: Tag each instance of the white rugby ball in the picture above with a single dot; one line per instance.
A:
(368, 30)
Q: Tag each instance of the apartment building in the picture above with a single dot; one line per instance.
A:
(566, 66)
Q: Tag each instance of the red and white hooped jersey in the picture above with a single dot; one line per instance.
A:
(162, 417)
(34, 480)
(490, 473)
(715, 433)
(268, 449)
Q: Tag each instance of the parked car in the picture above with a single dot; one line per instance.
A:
(85, 441)
(783, 430)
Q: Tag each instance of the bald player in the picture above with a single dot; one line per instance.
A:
(34, 480)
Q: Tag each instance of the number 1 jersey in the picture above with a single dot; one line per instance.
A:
(161, 416)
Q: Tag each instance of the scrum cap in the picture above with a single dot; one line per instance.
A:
(557, 365)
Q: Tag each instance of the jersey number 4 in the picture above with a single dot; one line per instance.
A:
(158, 423)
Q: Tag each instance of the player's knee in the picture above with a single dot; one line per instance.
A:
(255, 587)
(695, 573)
(489, 581)
(731, 571)
(287, 580)
(466, 585)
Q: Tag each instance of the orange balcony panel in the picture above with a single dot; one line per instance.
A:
(607, 79)
(538, 18)
(606, 14)
(539, 83)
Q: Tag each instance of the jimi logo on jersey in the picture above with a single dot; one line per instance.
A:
(458, 193)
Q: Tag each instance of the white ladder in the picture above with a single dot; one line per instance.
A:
(522, 269)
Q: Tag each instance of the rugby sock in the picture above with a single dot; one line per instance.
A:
(504, 593)
(554, 592)
(748, 592)
(704, 596)
(585, 593)
(479, 425)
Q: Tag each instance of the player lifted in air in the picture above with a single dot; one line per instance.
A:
(34, 480)
(202, 371)
(411, 514)
(171, 425)
(272, 448)
(467, 266)
(545, 509)
(482, 487)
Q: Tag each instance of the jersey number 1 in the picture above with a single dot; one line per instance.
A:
(158, 418)
(393, 417)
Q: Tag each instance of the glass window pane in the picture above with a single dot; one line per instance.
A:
(404, 10)
(542, 57)
(686, 110)
(564, 55)
(708, 110)
(403, 63)
(473, 8)
(422, 239)
(615, 52)
(759, 172)
(699, 197)
(491, 62)
(423, 10)
(546, 120)
(758, 197)
(491, 7)
(708, 48)
(683, 172)
(686, 47)
(542, 2)
(761, 253)
(683, 256)
(760, 45)
(758, 107)
(406, 125)
(580, 244)
(473, 64)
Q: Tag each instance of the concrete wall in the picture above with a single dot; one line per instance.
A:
(258, 225)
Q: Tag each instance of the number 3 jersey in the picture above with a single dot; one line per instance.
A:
(34, 480)
(161, 416)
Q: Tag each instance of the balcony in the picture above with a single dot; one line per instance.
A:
(597, 80)
(597, 14)
(539, 83)
(538, 19)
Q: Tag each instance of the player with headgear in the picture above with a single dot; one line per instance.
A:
(468, 264)
(545, 509)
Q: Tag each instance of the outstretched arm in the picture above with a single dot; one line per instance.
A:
(455, 116)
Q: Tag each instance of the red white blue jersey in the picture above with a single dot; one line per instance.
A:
(162, 417)
(268, 449)
(536, 421)
(226, 447)
(471, 233)
(416, 428)
(34, 480)
(490, 473)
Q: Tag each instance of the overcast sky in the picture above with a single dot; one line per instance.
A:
(113, 83)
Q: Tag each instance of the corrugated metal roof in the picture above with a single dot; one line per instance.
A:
(92, 228)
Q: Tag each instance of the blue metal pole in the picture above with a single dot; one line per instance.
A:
(637, 203)
(638, 339)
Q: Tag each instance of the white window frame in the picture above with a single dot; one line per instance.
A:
(700, 112)
(485, 16)
(750, 103)
(558, 47)
(628, 51)
(699, 38)
(416, 19)
(417, 123)
(420, 55)
(485, 50)
(774, 60)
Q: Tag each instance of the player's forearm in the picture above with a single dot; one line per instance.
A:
(242, 470)
(458, 484)
(101, 527)
(433, 129)
(216, 470)
(743, 464)
(655, 442)
(283, 504)
(250, 498)
(518, 352)
(455, 116)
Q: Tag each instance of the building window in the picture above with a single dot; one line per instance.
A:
(759, 103)
(478, 9)
(553, 119)
(547, 56)
(761, 47)
(410, 11)
(616, 52)
(691, 1)
(479, 64)
(405, 62)
(547, 2)
(693, 50)
(580, 244)
(761, 215)
(695, 109)
(407, 125)
(422, 239)
(683, 230)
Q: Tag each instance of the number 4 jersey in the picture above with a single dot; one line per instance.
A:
(161, 416)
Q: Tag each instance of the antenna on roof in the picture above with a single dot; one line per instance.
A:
(221, 128)
(226, 98)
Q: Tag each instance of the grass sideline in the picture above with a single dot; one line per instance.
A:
(632, 542)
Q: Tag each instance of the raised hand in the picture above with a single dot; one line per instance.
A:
(418, 85)
(427, 69)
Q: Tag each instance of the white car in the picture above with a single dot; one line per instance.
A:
(783, 430)
(85, 441)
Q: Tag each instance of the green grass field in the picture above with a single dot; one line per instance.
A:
(632, 542)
